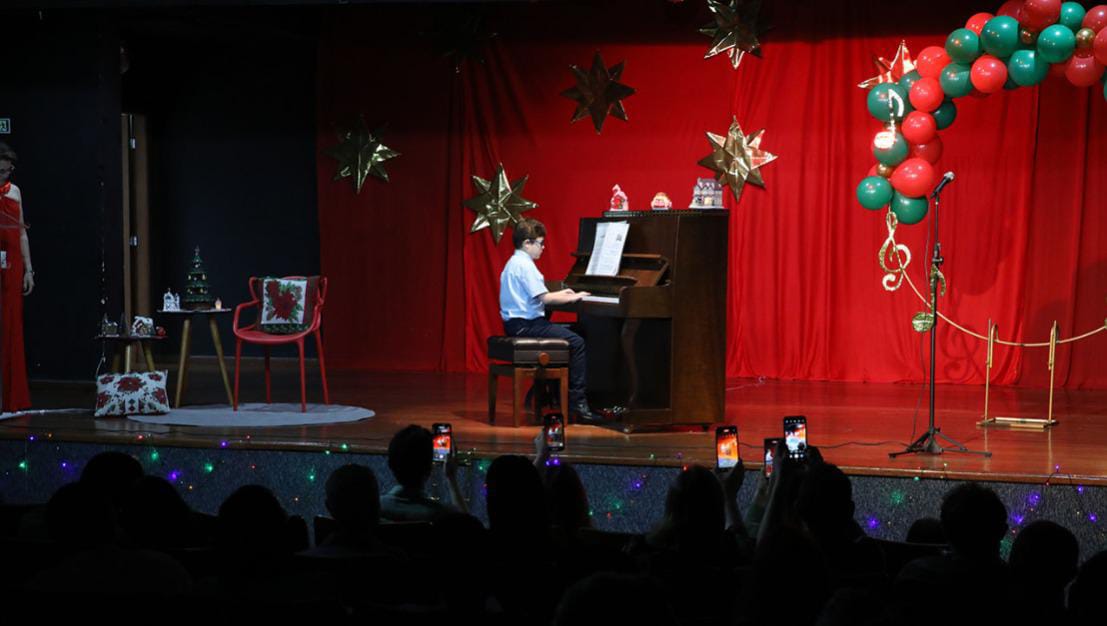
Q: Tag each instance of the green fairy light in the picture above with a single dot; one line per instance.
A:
(154, 456)
(311, 475)
(209, 467)
(345, 447)
(23, 465)
(898, 497)
(327, 452)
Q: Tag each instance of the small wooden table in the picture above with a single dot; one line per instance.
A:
(186, 344)
(129, 342)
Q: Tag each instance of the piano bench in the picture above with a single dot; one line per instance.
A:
(525, 358)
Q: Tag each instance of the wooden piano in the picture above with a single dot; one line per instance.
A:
(656, 332)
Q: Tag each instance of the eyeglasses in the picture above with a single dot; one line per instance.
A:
(539, 242)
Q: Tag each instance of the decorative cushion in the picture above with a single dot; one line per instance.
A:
(133, 393)
(287, 304)
(525, 350)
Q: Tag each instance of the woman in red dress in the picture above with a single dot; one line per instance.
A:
(17, 279)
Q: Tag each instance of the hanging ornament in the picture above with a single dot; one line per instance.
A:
(460, 36)
(890, 71)
(735, 29)
(598, 92)
(737, 158)
(360, 153)
(499, 204)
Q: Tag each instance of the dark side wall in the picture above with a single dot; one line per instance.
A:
(230, 98)
(230, 101)
(60, 87)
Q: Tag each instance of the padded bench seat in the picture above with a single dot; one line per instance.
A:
(518, 357)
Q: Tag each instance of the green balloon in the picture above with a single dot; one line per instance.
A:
(1056, 44)
(1072, 15)
(945, 114)
(1026, 68)
(909, 210)
(909, 79)
(956, 80)
(963, 46)
(887, 100)
(894, 154)
(1000, 36)
(874, 192)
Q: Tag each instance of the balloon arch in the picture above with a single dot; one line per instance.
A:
(1019, 46)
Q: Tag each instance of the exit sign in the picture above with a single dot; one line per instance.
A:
(5, 125)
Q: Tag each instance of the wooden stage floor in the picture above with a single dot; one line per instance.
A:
(855, 424)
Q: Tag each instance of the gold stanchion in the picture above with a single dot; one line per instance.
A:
(1029, 423)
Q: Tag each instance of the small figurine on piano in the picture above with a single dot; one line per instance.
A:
(661, 202)
(619, 199)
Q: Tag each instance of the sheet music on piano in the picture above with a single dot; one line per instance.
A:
(607, 250)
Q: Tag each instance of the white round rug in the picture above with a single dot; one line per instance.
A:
(255, 414)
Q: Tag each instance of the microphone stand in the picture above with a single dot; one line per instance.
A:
(930, 441)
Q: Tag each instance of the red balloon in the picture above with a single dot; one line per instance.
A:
(918, 127)
(930, 151)
(1011, 8)
(1044, 12)
(1099, 47)
(913, 178)
(926, 94)
(1083, 71)
(989, 74)
(976, 22)
(931, 61)
(1096, 18)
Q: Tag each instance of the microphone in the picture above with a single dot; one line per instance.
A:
(947, 178)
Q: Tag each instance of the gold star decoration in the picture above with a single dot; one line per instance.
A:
(499, 204)
(890, 71)
(737, 158)
(735, 29)
(360, 153)
(598, 92)
(461, 35)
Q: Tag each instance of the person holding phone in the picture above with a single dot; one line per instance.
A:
(17, 279)
(411, 459)
(523, 300)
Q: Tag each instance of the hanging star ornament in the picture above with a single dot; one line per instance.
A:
(461, 35)
(735, 29)
(598, 92)
(737, 158)
(499, 204)
(360, 154)
(890, 71)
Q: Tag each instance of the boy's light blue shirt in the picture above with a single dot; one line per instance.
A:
(521, 288)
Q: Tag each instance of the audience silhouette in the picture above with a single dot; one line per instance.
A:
(797, 557)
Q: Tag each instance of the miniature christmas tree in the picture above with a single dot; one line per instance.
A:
(197, 293)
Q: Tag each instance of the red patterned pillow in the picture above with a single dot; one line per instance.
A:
(287, 304)
(133, 393)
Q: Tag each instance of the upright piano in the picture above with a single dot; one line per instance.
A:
(656, 331)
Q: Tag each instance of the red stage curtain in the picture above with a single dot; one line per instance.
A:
(1022, 227)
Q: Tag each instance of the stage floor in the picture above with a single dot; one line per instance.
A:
(855, 424)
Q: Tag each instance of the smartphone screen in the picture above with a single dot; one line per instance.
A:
(795, 436)
(443, 441)
(726, 447)
(555, 431)
(770, 450)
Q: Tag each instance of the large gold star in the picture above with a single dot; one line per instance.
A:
(360, 153)
(890, 71)
(735, 29)
(737, 158)
(598, 92)
(499, 204)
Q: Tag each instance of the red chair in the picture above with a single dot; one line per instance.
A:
(251, 334)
